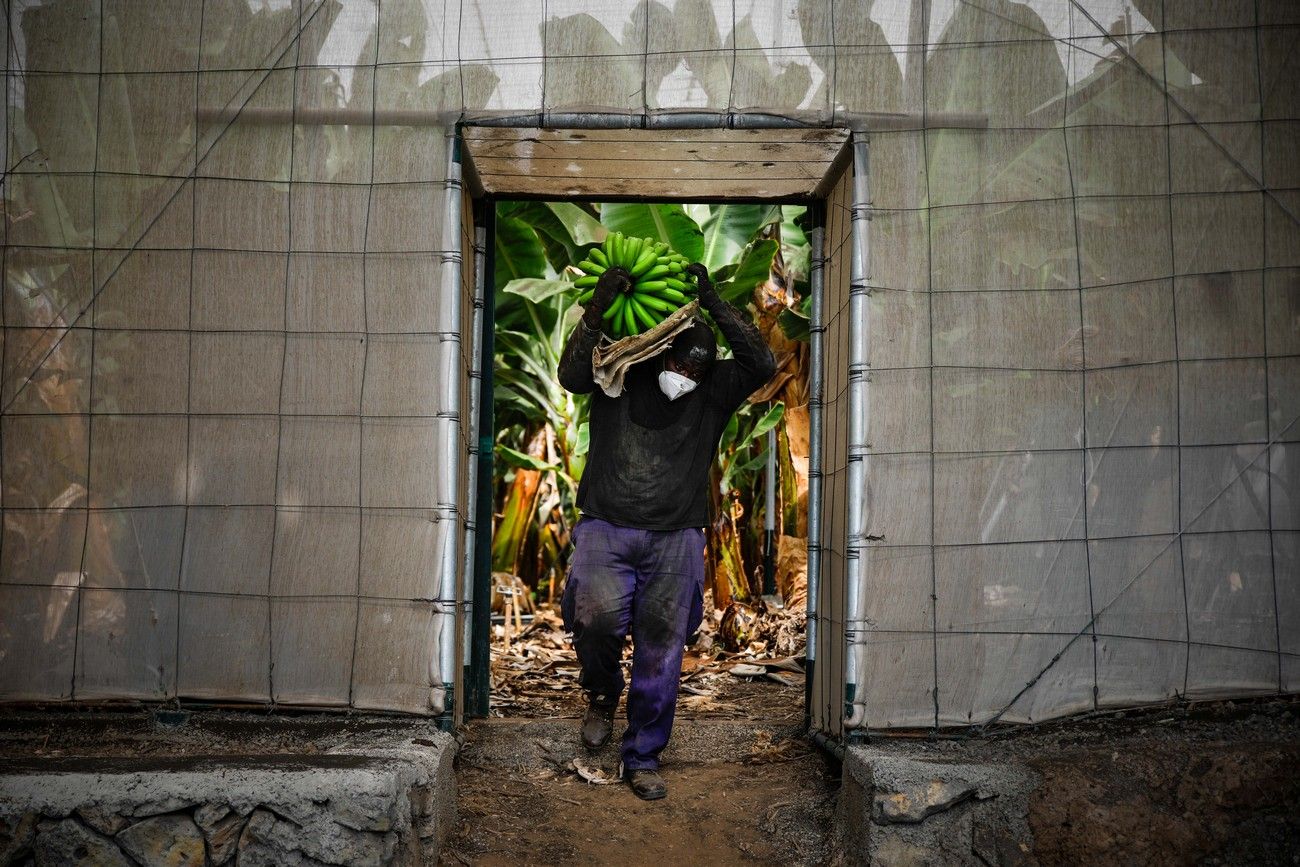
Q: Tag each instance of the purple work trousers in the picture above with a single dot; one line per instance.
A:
(649, 583)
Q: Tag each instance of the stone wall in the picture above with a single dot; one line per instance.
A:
(386, 806)
(897, 811)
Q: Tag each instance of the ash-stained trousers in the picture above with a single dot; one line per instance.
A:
(648, 582)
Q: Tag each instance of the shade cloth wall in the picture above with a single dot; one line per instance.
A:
(227, 338)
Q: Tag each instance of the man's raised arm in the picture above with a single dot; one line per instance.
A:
(575, 360)
(754, 362)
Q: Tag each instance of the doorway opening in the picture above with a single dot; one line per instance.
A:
(747, 658)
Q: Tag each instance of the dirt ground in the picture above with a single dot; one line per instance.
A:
(1228, 794)
(745, 786)
(1211, 783)
(739, 793)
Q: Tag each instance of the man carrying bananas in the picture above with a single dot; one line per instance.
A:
(638, 566)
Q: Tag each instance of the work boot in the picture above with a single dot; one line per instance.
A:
(597, 725)
(646, 783)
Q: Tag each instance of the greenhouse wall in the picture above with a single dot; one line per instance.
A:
(234, 373)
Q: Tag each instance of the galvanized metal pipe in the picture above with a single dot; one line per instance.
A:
(874, 120)
(816, 401)
(340, 116)
(450, 501)
(471, 486)
(816, 408)
(658, 120)
(855, 711)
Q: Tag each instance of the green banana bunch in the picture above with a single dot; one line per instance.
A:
(660, 284)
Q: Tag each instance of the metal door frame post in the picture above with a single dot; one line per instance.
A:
(450, 505)
(473, 515)
(479, 682)
(856, 549)
(816, 404)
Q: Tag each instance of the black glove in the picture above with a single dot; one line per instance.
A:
(612, 282)
(707, 294)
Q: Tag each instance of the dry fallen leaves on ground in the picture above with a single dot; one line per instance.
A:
(535, 672)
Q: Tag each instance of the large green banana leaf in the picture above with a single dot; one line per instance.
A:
(667, 223)
(729, 228)
(736, 283)
(519, 251)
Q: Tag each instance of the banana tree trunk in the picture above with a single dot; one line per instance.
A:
(517, 513)
(794, 471)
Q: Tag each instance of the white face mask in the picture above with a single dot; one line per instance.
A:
(674, 385)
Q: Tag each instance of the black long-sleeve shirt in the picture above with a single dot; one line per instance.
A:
(648, 465)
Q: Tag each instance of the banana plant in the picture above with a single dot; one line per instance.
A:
(545, 442)
(542, 436)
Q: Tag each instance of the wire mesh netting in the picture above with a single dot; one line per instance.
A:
(1082, 323)
(233, 372)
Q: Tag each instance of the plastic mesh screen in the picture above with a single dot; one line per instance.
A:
(229, 342)
(225, 345)
(1078, 444)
